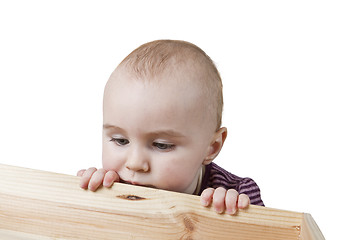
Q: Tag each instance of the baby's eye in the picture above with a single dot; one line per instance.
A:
(120, 141)
(163, 146)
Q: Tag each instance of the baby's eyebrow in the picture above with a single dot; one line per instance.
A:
(168, 133)
(109, 126)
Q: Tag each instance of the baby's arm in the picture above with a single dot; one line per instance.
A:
(93, 178)
(222, 199)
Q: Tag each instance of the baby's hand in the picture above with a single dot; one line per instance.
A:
(228, 200)
(93, 178)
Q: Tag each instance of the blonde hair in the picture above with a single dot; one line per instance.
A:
(154, 58)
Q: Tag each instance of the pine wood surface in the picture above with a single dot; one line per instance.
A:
(309, 229)
(44, 205)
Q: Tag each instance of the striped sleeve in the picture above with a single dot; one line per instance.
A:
(216, 176)
(250, 188)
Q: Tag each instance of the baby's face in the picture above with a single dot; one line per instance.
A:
(156, 133)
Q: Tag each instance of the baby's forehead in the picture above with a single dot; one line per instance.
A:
(176, 75)
(168, 89)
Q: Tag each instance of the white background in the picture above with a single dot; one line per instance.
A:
(290, 70)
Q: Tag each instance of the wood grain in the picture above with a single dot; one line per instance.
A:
(43, 205)
(309, 229)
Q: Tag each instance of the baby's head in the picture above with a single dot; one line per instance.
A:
(162, 116)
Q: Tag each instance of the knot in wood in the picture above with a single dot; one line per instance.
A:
(189, 225)
(130, 197)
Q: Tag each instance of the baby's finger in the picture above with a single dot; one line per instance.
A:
(219, 199)
(96, 179)
(110, 178)
(231, 201)
(243, 201)
(206, 197)
(80, 172)
(84, 181)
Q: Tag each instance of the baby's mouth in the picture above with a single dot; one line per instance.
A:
(137, 184)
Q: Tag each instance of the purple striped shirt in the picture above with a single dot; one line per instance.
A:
(216, 176)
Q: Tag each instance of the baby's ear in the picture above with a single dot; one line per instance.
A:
(215, 145)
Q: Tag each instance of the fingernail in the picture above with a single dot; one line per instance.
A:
(218, 210)
(204, 202)
(230, 211)
(240, 204)
(83, 186)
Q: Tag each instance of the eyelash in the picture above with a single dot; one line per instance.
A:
(117, 141)
(160, 146)
(163, 146)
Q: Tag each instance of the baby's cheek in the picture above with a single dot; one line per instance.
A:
(174, 178)
(110, 162)
(167, 175)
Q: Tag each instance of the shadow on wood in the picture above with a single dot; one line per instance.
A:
(43, 205)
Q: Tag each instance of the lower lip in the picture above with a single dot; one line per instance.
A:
(133, 183)
(138, 184)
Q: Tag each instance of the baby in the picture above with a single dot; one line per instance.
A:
(162, 127)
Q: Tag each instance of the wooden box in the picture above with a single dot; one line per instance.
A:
(43, 205)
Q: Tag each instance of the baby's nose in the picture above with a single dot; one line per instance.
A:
(137, 161)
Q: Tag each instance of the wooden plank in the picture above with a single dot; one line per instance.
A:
(309, 229)
(14, 235)
(53, 206)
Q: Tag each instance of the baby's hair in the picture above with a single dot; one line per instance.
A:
(157, 57)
